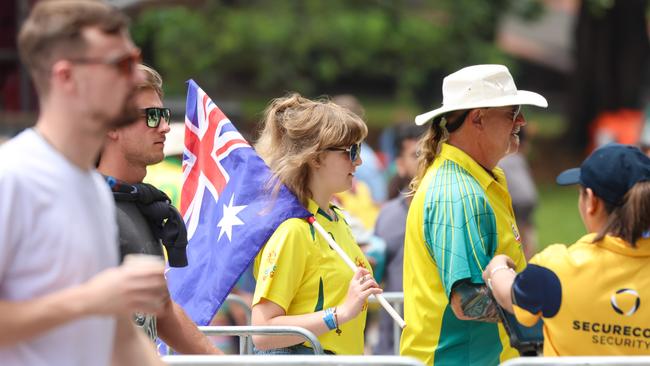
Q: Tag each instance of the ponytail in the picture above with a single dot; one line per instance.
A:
(630, 220)
(429, 145)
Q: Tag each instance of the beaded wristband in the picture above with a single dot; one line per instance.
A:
(329, 319)
(336, 318)
(495, 270)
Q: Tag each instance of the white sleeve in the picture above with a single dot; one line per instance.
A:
(10, 225)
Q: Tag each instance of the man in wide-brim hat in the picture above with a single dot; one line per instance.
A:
(460, 217)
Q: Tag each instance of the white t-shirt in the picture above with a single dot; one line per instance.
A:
(57, 229)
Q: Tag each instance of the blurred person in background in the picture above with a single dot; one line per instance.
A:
(523, 192)
(62, 299)
(391, 224)
(145, 216)
(370, 173)
(361, 202)
(460, 217)
(591, 294)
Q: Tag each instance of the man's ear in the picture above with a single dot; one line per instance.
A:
(61, 74)
(476, 118)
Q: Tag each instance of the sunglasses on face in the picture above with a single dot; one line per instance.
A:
(354, 151)
(153, 115)
(124, 64)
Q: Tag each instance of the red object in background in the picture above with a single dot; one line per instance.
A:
(623, 126)
(383, 159)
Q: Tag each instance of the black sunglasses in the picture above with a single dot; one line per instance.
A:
(354, 151)
(153, 115)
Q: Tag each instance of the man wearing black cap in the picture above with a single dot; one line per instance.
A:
(460, 217)
(145, 216)
(593, 294)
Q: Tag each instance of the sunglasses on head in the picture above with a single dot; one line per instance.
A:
(125, 64)
(153, 115)
(354, 151)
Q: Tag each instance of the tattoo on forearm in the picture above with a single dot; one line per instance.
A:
(477, 303)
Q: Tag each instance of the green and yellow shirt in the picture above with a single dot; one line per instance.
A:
(593, 297)
(460, 217)
(298, 270)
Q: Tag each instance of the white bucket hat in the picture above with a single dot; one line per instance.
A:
(480, 86)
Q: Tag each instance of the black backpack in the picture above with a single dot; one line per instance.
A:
(164, 219)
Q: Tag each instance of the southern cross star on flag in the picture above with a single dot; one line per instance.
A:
(227, 205)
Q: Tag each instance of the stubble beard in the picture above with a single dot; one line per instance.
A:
(128, 114)
(513, 145)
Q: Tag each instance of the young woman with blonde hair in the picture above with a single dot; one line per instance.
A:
(312, 146)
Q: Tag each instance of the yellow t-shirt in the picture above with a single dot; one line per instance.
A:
(593, 297)
(297, 270)
(460, 217)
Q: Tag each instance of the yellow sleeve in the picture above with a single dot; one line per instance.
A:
(524, 317)
(549, 255)
(281, 263)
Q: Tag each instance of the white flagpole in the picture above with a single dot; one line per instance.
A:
(396, 317)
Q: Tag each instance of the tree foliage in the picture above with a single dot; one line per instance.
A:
(316, 45)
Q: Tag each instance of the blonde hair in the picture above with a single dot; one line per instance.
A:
(431, 142)
(296, 130)
(152, 80)
(53, 31)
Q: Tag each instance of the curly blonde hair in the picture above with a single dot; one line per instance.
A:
(296, 130)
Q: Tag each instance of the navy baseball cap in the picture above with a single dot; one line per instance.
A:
(609, 171)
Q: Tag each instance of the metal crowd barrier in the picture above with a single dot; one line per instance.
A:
(582, 361)
(396, 299)
(240, 301)
(230, 360)
(246, 332)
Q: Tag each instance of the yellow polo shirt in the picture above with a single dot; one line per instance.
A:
(298, 270)
(593, 297)
(460, 217)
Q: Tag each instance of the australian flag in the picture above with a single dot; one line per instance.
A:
(227, 205)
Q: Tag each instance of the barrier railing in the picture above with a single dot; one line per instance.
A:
(582, 361)
(241, 302)
(246, 332)
(282, 360)
(396, 299)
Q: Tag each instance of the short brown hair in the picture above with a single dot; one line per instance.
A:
(53, 30)
(152, 80)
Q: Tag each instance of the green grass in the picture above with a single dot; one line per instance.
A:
(557, 218)
(544, 123)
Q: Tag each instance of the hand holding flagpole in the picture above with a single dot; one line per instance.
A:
(396, 317)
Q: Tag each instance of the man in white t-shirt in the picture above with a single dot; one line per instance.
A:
(63, 301)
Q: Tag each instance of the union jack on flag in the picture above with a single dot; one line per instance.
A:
(227, 207)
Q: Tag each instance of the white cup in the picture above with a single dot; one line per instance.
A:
(145, 260)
